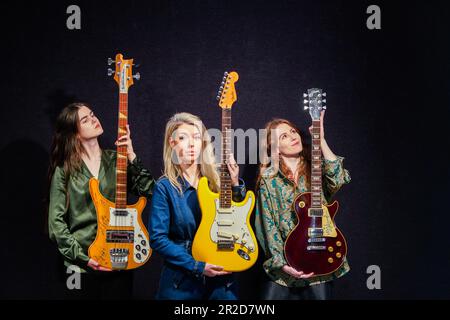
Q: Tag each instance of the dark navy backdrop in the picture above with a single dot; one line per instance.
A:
(388, 113)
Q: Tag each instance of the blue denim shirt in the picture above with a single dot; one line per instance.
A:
(174, 219)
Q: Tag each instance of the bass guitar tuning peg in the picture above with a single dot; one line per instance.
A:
(110, 72)
(137, 76)
(110, 61)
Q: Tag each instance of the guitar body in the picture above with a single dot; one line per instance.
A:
(330, 245)
(243, 252)
(122, 241)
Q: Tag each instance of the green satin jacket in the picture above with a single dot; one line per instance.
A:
(72, 221)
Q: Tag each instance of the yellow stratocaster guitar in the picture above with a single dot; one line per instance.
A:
(122, 241)
(225, 236)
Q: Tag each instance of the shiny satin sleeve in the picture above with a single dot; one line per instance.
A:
(140, 180)
(57, 225)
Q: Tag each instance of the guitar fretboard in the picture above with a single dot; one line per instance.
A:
(225, 179)
(122, 160)
(316, 167)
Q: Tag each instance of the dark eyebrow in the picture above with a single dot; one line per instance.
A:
(83, 118)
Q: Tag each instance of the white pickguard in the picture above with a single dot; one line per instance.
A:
(238, 228)
(141, 246)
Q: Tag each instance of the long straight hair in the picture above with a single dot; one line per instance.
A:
(273, 160)
(207, 165)
(66, 149)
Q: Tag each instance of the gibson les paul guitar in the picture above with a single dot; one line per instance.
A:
(315, 244)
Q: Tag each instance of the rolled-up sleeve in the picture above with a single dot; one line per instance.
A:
(335, 176)
(140, 180)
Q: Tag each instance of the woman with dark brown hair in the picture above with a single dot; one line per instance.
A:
(76, 157)
(280, 180)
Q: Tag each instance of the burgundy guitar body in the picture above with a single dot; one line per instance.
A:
(318, 254)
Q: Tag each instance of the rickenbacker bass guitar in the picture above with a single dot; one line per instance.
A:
(122, 241)
(225, 236)
(315, 244)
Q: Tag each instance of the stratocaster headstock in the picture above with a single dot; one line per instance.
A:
(123, 73)
(314, 102)
(227, 92)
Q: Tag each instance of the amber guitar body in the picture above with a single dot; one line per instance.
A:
(122, 239)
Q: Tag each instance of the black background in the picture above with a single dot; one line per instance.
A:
(388, 108)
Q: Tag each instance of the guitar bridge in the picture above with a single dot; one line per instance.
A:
(119, 258)
(313, 240)
(315, 232)
(225, 245)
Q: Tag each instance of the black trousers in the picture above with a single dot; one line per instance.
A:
(96, 285)
(274, 291)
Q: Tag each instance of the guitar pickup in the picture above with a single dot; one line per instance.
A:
(224, 235)
(119, 212)
(225, 223)
(119, 236)
(225, 210)
(315, 212)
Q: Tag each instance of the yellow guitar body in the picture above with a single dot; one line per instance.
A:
(122, 241)
(225, 236)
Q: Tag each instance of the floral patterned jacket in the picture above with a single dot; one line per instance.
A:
(275, 217)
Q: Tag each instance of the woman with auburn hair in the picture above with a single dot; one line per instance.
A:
(76, 157)
(175, 212)
(280, 180)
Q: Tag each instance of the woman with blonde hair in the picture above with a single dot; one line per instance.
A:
(279, 182)
(175, 212)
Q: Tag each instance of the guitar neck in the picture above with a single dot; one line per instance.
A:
(316, 167)
(121, 168)
(225, 179)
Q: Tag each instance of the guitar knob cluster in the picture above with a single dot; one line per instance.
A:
(140, 247)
